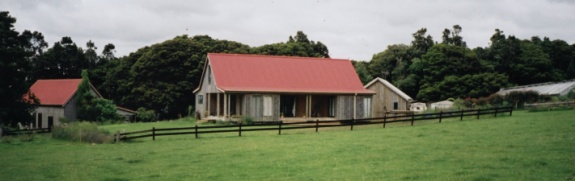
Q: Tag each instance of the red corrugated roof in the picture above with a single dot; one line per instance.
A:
(56, 92)
(262, 73)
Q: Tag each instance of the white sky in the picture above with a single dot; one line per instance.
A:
(350, 29)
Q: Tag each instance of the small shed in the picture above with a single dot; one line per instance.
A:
(58, 101)
(418, 107)
(387, 97)
(441, 104)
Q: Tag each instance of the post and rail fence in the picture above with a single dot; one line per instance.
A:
(279, 125)
(26, 131)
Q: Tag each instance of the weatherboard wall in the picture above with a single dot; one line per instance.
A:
(208, 86)
(384, 100)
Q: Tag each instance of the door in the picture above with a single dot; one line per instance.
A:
(50, 121)
(40, 120)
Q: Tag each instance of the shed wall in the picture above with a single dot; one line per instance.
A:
(55, 112)
(384, 99)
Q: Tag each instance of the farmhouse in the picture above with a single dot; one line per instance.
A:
(387, 98)
(58, 100)
(549, 88)
(273, 88)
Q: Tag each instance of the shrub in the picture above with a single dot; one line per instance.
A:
(144, 115)
(17, 139)
(571, 94)
(247, 120)
(81, 131)
(496, 99)
(519, 98)
(483, 102)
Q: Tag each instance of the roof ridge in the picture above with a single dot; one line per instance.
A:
(539, 84)
(278, 56)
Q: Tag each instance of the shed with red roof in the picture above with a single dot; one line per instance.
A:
(272, 88)
(57, 100)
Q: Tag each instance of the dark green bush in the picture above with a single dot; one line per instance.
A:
(81, 131)
(145, 115)
(247, 120)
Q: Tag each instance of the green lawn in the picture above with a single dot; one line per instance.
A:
(526, 146)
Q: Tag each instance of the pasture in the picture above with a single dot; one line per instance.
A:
(525, 146)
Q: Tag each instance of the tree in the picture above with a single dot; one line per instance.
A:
(162, 76)
(90, 107)
(16, 49)
(455, 71)
(421, 43)
(85, 99)
(360, 68)
(560, 54)
(532, 65)
(90, 54)
(63, 60)
(98, 72)
(452, 37)
(391, 64)
(299, 45)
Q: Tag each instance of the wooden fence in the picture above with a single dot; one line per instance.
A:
(26, 131)
(279, 126)
(550, 104)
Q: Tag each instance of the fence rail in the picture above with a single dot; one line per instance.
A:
(279, 125)
(26, 131)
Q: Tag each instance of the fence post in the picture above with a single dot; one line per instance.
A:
(240, 130)
(510, 110)
(412, 119)
(478, 112)
(352, 121)
(384, 120)
(461, 115)
(196, 131)
(440, 116)
(280, 128)
(316, 124)
(496, 111)
(154, 133)
(117, 137)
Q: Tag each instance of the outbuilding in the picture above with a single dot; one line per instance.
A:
(441, 105)
(387, 98)
(57, 99)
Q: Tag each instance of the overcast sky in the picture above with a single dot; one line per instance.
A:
(350, 29)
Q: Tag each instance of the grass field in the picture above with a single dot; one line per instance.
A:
(526, 146)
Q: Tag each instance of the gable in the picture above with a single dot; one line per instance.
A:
(390, 87)
(262, 73)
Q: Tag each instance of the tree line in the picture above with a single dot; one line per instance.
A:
(430, 71)
(159, 78)
(162, 76)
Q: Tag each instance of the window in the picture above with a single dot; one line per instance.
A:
(257, 105)
(209, 76)
(331, 107)
(367, 107)
(200, 99)
(268, 106)
(395, 105)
